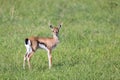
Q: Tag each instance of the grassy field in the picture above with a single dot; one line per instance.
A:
(89, 46)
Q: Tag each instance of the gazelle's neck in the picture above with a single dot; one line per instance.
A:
(55, 36)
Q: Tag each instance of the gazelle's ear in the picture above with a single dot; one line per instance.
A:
(60, 25)
(51, 26)
(49, 23)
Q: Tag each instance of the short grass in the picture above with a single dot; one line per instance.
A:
(89, 46)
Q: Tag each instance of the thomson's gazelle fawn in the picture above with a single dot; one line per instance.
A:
(33, 43)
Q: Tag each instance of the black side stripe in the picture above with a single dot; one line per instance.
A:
(42, 43)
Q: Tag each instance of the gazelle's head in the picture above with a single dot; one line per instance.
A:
(55, 30)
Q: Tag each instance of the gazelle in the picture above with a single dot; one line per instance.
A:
(33, 43)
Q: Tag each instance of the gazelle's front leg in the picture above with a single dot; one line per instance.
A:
(49, 58)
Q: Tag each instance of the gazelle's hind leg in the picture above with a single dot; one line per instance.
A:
(28, 59)
(29, 51)
(24, 61)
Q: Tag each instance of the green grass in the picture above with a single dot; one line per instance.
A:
(89, 46)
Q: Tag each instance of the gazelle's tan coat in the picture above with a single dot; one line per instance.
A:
(33, 43)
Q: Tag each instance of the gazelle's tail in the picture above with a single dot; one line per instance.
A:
(27, 41)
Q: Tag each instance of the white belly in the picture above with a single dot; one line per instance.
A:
(43, 46)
